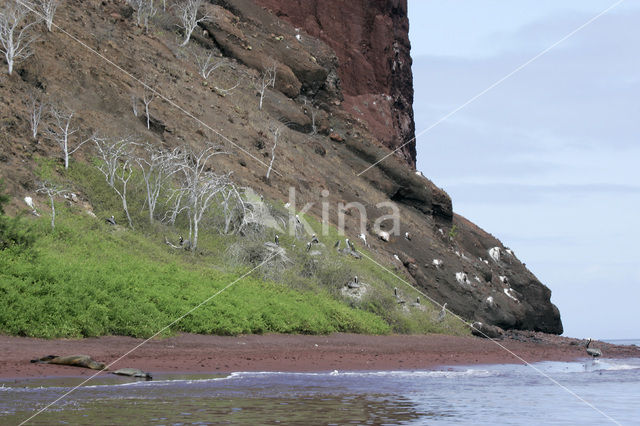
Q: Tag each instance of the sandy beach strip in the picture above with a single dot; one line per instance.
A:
(191, 353)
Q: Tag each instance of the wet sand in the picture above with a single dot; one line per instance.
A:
(190, 353)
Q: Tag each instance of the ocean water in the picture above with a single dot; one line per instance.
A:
(478, 395)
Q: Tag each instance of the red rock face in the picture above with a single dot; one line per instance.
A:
(371, 40)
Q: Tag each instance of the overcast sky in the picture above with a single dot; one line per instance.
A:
(548, 160)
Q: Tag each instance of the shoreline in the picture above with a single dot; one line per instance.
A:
(193, 354)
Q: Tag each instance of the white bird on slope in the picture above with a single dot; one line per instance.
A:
(442, 313)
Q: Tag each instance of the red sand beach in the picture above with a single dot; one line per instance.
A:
(190, 353)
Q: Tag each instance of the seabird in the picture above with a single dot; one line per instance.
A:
(350, 244)
(111, 220)
(594, 352)
(277, 240)
(417, 300)
(298, 219)
(407, 236)
(354, 283)
(363, 238)
(337, 245)
(314, 239)
(186, 244)
(308, 246)
(442, 313)
(395, 291)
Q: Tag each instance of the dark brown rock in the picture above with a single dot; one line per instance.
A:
(371, 40)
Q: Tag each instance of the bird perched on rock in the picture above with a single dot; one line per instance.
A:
(364, 239)
(308, 246)
(277, 240)
(111, 220)
(407, 236)
(314, 239)
(443, 313)
(298, 219)
(593, 352)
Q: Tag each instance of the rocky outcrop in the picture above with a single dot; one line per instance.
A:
(371, 41)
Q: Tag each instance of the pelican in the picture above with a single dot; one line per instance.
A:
(111, 220)
(314, 239)
(186, 244)
(407, 236)
(442, 313)
(350, 244)
(354, 283)
(363, 238)
(594, 352)
(308, 246)
(277, 240)
(395, 291)
(298, 219)
(337, 245)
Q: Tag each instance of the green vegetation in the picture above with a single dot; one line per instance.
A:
(86, 278)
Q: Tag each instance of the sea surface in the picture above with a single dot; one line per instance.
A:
(478, 395)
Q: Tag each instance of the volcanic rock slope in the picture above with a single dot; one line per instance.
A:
(342, 97)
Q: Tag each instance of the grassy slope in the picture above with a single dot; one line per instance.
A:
(86, 278)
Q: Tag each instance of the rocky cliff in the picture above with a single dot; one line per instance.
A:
(371, 41)
(342, 98)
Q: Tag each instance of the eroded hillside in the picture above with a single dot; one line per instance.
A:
(97, 69)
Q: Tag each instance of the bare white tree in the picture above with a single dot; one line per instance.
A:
(123, 175)
(117, 166)
(111, 151)
(147, 97)
(201, 186)
(48, 9)
(188, 15)
(37, 107)
(276, 134)
(134, 105)
(267, 79)
(16, 37)
(234, 208)
(51, 190)
(145, 10)
(157, 168)
(208, 63)
(61, 132)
